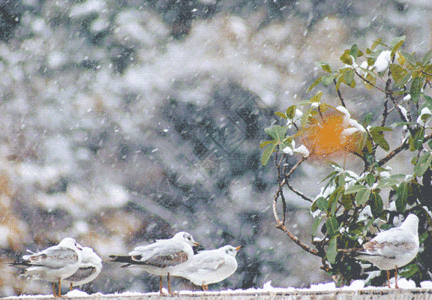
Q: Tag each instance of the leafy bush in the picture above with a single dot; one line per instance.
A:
(350, 204)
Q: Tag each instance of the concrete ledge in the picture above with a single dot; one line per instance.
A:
(339, 294)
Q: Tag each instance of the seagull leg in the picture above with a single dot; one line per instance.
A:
(205, 287)
(54, 290)
(169, 284)
(160, 285)
(59, 288)
(388, 278)
(71, 286)
(396, 285)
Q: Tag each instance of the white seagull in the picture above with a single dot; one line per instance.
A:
(209, 266)
(53, 264)
(91, 266)
(160, 257)
(393, 248)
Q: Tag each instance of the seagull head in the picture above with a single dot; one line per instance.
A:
(70, 243)
(411, 224)
(230, 250)
(187, 237)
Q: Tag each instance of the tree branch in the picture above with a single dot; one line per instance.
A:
(297, 241)
(298, 193)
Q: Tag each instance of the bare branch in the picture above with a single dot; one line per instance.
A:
(297, 241)
(339, 94)
(298, 193)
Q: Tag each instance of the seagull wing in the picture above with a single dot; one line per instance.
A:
(53, 258)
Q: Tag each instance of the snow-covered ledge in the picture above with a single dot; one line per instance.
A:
(322, 291)
(286, 294)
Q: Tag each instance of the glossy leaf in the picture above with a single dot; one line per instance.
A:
(355, 189)
(409, 57)
(332, 226)
(332, 250)
(318, 81)
(277, 132)
(427, 57)
(423, 164)
(327, 80)
(349, 76)
(398, 72)
(362, 196)
(376, 205)
(354, 51)
(415, 89)
(281, 115)
(323, 65)
(267, 154)
(346, 59)
(401, 197)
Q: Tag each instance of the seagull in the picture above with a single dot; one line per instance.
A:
(209, 266)
(160, 257)
(393, 248)
(53, 264)
(91, 266)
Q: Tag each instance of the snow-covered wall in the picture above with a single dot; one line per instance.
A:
(126, 121)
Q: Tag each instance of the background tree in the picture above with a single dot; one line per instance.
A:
(354, 204)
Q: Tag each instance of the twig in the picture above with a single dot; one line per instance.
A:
(369, 82)
(297, 241)
(298, 193)
(402, 147)
(339, 94)
(287, 176)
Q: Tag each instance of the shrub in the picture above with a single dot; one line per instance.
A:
(350, 204)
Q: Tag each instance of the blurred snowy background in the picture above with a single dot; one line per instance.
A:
(126, 121)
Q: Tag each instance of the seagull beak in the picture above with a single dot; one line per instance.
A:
(238, 248)
(196, 244)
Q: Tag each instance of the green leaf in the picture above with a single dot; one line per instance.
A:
(379, 139)
(266, 143)
(355, 189)
(323, 65)
(315, 226)
(346, 59)
(354, 51)
(328, 79)
(428, 100)
(277, 132)
(347, 201)
(401, 197)
(290, 112)
(332, 250)
(427, 57)
(349, 76)
(423, 164)
(410, 270)
(387, 182)
(267, 154)
(396, 41)
(409, 57)
(281, 115)
(405, 79)
(370, 179)
(376, 205)
(317, 97)
(376, 43)
(318, 81)
(398, 72)
(322, 203)
(415, 89)
(332, 226)
(362, 196)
